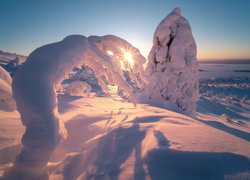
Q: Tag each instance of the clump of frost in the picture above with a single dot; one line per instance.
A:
(172, 66)
(78, 88)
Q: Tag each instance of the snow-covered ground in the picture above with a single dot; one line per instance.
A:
(224, 69)
(110, 138)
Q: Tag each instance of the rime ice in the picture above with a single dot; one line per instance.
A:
(172, 65)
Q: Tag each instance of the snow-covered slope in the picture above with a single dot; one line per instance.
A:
(112, 139)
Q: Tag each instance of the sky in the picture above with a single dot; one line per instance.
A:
(221, 28)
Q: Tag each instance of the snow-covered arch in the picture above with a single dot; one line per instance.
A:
(34, 91)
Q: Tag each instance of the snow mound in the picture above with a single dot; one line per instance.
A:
(172, 66)
(35, 83)
(6, 101)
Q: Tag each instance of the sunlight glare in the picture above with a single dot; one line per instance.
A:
(129, 57)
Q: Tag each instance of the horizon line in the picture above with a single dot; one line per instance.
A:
(198, 59)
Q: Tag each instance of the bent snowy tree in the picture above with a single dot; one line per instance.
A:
(34, 91)
(172, 66)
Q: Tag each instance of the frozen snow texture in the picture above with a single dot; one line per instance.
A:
(172, 65)
(34, 89)
(78, 88)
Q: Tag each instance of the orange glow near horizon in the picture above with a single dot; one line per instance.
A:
(213, 54)
(222, 53)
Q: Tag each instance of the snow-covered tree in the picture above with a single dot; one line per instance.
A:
(172, 65)
(35, 83)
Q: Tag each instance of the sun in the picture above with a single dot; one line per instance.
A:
(128, 56)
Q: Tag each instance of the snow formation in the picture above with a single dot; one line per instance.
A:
(35, 83)
(172, 65)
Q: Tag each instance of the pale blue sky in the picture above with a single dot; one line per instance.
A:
(221, 28)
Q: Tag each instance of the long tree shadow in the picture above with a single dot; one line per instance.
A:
(106, 159)
(207, 106)
(147, 119)
(79, 131)
(165, 163)
(172, 164)
(117, 146)
(65, 100)
(107, 155)
(230, 130)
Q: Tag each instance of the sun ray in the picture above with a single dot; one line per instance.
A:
(128, 56)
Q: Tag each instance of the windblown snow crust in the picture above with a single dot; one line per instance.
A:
(172, 65)
(34, 89)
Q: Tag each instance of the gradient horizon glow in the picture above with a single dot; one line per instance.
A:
(221, 28)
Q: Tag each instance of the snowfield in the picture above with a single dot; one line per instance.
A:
(87, 119)
(113, 139)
